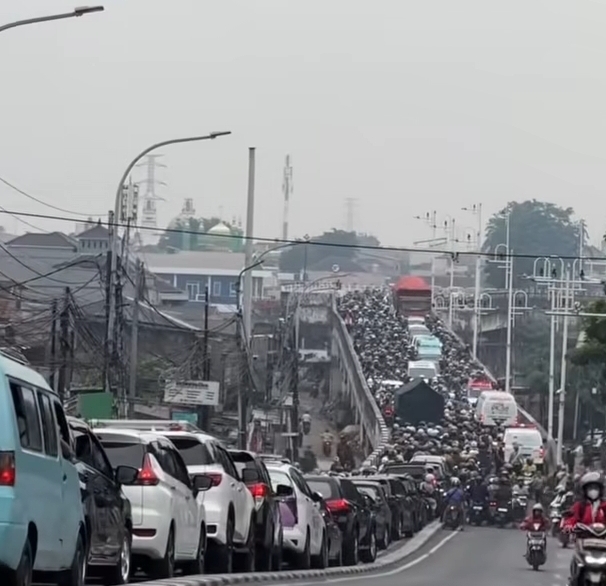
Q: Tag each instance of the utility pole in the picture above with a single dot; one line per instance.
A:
(294, 389)
(350, 209)
(510, 310)
(248, 247)
(64, 344)
(134, 339)
(149, 215)
(108, 346)
(552, 333)
(562, 398)
(204, 411)
(477, 210)
(53, 348)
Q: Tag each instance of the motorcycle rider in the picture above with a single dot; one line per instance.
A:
(529, 469)
(536, 517)
(327, 439)
(504, 494)
(591, 508)
(477, 492)
(455, 496)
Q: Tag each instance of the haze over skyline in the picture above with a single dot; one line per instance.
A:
(405, 107)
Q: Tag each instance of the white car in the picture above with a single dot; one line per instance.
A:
(169, 525)
(303, 525)
(230, 506)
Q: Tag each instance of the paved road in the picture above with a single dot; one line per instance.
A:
(478, 556)
(319, 424)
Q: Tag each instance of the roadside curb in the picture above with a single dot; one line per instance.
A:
(389, 559)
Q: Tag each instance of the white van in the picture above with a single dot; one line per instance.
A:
(497, 408)
(422, 369)
(529, 441)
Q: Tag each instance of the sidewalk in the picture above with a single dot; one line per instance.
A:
(318, 426)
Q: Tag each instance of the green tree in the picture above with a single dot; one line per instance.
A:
(537, 229)
(591, 354)
(336, 247)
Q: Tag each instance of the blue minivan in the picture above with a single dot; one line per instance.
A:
(42, 530)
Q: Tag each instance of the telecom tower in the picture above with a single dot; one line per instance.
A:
(287, 187)
(149, 214)
(350, 209)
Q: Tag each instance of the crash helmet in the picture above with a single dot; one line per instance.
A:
(454, 481)
(537, 510)
(592, 485)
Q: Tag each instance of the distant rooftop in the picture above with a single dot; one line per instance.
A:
(44, 240)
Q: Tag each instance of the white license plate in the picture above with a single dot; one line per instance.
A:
(477, 508)
(502, 510)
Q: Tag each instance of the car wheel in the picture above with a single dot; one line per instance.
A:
(22, 576)
(386, 538)
(76, 575)
(304, 558)
(321, 560)
(165, 568)
(246, 560)
(351, 553)
(278, 551)
(196, 567)
(265, 554)
(120, 573)
(369, 555)
(223, 558)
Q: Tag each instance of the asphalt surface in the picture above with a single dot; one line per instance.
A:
(477, 556)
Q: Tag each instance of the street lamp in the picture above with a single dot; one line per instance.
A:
(477, 210)
(118, 201)
(75, 13)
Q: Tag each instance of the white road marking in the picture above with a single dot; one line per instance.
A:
(367, 575)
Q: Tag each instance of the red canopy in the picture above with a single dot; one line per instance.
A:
(412, 283)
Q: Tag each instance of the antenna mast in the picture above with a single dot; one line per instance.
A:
(287, 187)
(149, 213)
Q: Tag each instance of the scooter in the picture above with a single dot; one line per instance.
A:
(452, 517)
(502, 516)
(556, 519)
(536, 547)
(588, 565)
(476, 513)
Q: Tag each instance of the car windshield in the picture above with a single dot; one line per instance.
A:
(369, 489)
(278, 477)
(123, 453)
(325, 487)
(193, 452)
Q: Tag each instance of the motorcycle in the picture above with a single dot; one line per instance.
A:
(536, 547)
(492, 511)
(502, 516)
(588, 565)
(476, 513)
(452, 517)
(306, 427)
(519, 507)
(327, 448)
(556, 519)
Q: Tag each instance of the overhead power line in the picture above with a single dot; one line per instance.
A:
(266, 240)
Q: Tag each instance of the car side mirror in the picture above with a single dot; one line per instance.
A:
(67, 452)
(317, 497)
(126, 475)
(284, 490)
(201, 482)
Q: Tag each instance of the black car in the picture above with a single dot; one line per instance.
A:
(417, 501)
(335, 537)
(268, 524)
(107, 511)
(376, 492)
(403, 517)
(353, 514)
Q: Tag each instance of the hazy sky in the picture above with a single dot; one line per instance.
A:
(405, 106)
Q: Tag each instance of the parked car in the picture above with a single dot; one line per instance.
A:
(107, 511)
(230, 507)
(268, 523)
(418, 500)
(335, 537)
(402, 514)
(42, 526)
(169, 526)
(305, 536)
(380, 505)
(354, 515)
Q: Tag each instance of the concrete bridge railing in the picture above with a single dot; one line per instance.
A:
(348, 380)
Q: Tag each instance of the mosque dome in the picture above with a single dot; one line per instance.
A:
(220, 229)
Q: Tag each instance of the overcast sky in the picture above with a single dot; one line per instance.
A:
(405, 106)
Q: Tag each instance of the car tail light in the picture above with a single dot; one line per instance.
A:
(215, 478)
(7, 469)
(259, 491)
(337, 506)
(147, 476)
(541, 452)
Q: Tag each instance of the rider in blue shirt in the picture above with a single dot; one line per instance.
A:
(456, 496)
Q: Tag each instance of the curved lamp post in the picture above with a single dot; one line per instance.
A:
(75, 13)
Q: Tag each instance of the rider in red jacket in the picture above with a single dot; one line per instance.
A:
(536, 521)
(591, 509)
